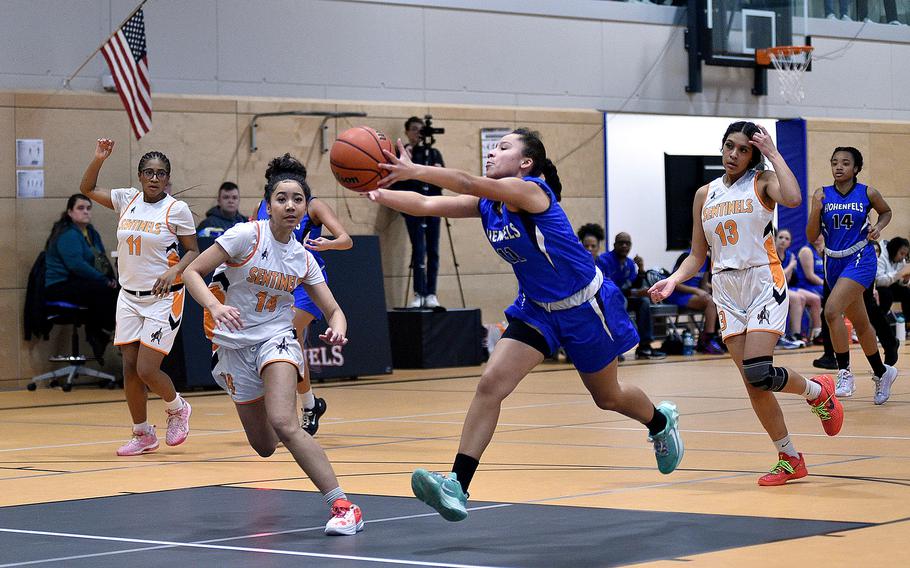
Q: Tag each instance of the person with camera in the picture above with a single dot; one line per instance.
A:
(423, 231)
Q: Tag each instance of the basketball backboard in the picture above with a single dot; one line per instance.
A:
(727, 33)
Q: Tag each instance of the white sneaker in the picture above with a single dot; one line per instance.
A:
(846, 18)
(895, 23)
(430, 301)
(417, 302)
(784, 343)
(347, 520)
(883, 385)
(845, 384)
(831, 17)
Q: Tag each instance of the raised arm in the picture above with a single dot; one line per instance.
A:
(87, 186)
(515, 192)
(780, 185)
(323, 215)
(690, 266)
(884, 213)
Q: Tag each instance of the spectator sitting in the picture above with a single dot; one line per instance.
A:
(79, 272)
(591, 235)
(694, 294)
(893, 276)
(223, 216)
(628, 275)
(800, 299)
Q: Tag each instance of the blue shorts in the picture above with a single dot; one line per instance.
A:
(818, 290)
(859, 267)
(680, 299)
(593, 334)
(303, 302)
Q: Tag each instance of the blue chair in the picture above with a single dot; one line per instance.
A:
(64, 313)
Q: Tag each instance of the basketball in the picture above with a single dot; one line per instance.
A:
(356, 155)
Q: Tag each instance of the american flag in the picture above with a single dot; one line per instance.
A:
(126, 56)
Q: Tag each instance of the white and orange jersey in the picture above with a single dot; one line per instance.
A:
(259, 280)
(739, 225)
(147, 236)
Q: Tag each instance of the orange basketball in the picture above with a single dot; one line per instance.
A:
(356, 155)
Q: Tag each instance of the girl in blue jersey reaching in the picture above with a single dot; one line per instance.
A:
(841, 213)
(563, 300)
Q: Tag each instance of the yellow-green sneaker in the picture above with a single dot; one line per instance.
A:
(668, 446)
(442, 493)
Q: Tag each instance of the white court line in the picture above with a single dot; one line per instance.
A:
(233, 549)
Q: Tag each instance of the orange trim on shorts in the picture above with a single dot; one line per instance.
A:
(774, 331)
(724, 338)
(116, 344)
(255, 247)
(758, 195)
(162, 351)
(250, 401)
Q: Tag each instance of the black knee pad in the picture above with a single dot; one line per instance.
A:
(762, 375)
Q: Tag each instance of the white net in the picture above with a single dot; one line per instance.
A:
(791, 65)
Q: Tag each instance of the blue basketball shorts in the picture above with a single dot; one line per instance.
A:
(593, 333)
(859, 267)
(302, 300)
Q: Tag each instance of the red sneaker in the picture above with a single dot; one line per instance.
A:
(347, 520)
(787, 468)
(827, 407)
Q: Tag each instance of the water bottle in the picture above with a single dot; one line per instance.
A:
(688, 341)
(900, 331)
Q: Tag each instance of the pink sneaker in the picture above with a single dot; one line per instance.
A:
(346, 519)
(140, 443)
(178, 425)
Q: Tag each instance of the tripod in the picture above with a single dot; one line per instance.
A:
(407, 286)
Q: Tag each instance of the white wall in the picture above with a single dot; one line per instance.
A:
(617, 56)
(636, 144)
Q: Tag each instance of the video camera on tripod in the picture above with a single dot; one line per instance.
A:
(428, 132)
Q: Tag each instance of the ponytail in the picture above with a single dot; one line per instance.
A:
(549, 173)
(534, 149)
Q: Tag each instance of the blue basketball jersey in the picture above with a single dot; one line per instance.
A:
(548, 259)
(305, 230)
(845, 218)
(818, 267)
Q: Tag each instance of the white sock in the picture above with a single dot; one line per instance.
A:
(785, 446)
(812, 391)
(141, 428)
(176, 404)
(816, 331)
(307, 400)
(333, 495)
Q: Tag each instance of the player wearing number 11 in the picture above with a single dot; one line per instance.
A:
(734, 215)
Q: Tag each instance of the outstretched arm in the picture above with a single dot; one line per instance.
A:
(412, 203)
(99, 195)
(515, 192)
(323, 215)
(690, 266)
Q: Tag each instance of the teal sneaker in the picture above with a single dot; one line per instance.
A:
(442, 493)
(668, 446)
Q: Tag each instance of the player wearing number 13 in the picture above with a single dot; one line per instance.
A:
(841, 212)
(733, 215)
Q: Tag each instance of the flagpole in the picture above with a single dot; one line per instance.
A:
(66, 82)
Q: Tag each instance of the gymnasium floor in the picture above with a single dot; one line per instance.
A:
(563, 483)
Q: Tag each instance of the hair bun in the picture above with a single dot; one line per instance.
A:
(285, 164)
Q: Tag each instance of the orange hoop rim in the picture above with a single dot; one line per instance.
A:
(763, 55)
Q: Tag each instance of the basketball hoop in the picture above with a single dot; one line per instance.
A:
(790, 62)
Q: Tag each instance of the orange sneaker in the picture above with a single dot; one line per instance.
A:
(787, 468)
(827, 407)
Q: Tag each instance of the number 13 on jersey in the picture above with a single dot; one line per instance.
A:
(727, 233)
